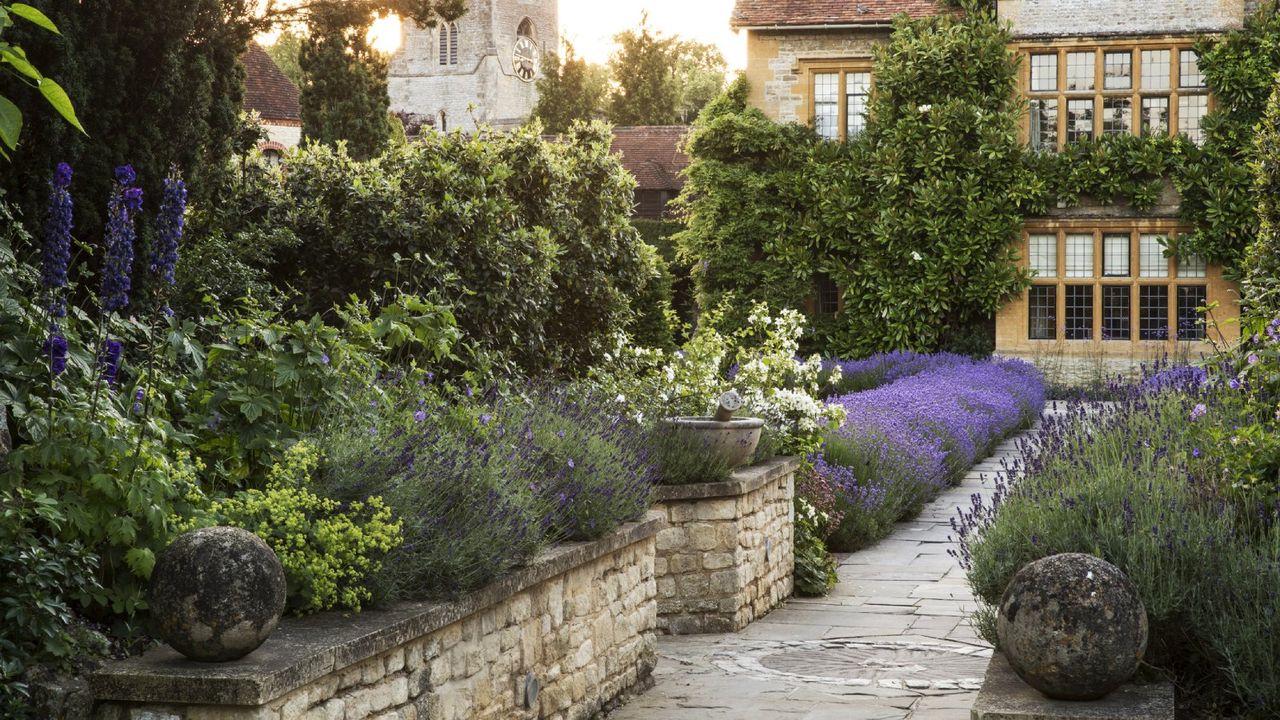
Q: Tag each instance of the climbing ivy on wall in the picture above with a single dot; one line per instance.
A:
(917, 218)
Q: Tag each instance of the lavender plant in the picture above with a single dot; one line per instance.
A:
(1133, 484)
(905, 441)
(483, 481)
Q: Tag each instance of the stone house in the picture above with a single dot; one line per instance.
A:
(478, 69)
(273, 96)
(654, 156)
(1103, 287)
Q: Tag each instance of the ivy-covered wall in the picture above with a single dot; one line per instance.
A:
(918, 218)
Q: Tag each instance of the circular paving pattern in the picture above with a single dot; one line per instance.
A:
(932, 667)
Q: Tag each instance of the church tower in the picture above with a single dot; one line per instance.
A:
(489, 58)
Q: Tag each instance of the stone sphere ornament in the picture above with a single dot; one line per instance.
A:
(217, 593)
(1072, 626)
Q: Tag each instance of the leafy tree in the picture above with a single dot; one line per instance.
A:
(344, 82)
(156, 83)
(569, 91)
(286, 51)
(1262, 263)
(13, 62)
(699, 76)
(643, 70)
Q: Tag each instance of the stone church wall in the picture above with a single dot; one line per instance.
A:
(481, 87)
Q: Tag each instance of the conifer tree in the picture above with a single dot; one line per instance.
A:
(643, 69)
(344, 82)
(570, 89)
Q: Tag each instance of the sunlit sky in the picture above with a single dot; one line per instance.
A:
(591, 24)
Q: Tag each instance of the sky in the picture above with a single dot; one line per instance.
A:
(591, 24)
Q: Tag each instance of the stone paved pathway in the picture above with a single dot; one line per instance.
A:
(890, 642)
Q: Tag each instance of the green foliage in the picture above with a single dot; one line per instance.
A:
(328, 550)
(21, 69)
(643, 70)
(744, 204)
(931, 248)
(286, 51)
(529, 241)
(815, 567)
(344, 82)
(570, 90)
(655, 323)
(1262, 262)
(660, 234)
(1216, 183)
(700, 76)
(39, 577)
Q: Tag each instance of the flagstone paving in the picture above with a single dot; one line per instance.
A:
(892, 641)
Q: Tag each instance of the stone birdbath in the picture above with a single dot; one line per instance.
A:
(733, 440)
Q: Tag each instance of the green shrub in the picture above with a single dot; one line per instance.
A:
(40, 576)
(1262, 262)
(530, 240)
(815, 567)
(329, 550)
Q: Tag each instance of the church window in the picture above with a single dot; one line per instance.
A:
(449, 44)
(526, 29)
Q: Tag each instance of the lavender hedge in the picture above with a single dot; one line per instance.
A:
(906, 440)
(884, 368)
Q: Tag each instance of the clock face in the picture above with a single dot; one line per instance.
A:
(525, 59)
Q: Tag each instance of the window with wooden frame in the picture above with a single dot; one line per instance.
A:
(1079, 93)
(839, 92)
(1112, 284)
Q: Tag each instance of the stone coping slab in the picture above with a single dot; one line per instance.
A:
(303, 650)
(741, 482)
(1005, 696)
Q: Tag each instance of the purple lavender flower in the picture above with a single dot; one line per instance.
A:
(1253, 359)
(109, 360)
(121, 236)
(57, 238)
(1199, 411)
(170, 226)
(485, 419)
(56, 348)
(420, 416)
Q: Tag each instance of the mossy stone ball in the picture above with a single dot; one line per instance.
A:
(217, 593)
(1072, 626)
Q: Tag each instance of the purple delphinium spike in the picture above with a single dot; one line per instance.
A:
(109, 360)
(56, 349)
(121, 235)
(170, 225)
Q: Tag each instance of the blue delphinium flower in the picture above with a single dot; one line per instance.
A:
(137, 401)
(121, 235)
(109, 360)
(170, 225)
(57, 238)
(56, 348)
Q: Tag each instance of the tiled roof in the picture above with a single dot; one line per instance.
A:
(266, 88)
(770, 13)
(652, 154)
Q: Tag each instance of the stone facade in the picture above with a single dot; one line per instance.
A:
(481, 86)
(727, 555)
(578, 625)
(1083, 18)
(776, 63)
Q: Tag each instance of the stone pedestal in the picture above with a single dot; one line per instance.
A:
(1005, 697)
(727, 556)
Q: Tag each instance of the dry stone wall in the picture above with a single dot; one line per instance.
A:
(562, 640)
(727, 555)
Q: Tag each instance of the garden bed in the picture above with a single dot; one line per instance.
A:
(727, 556)
(578, 623)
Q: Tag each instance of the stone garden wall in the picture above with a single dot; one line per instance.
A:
(561, 639)
(727, 555)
